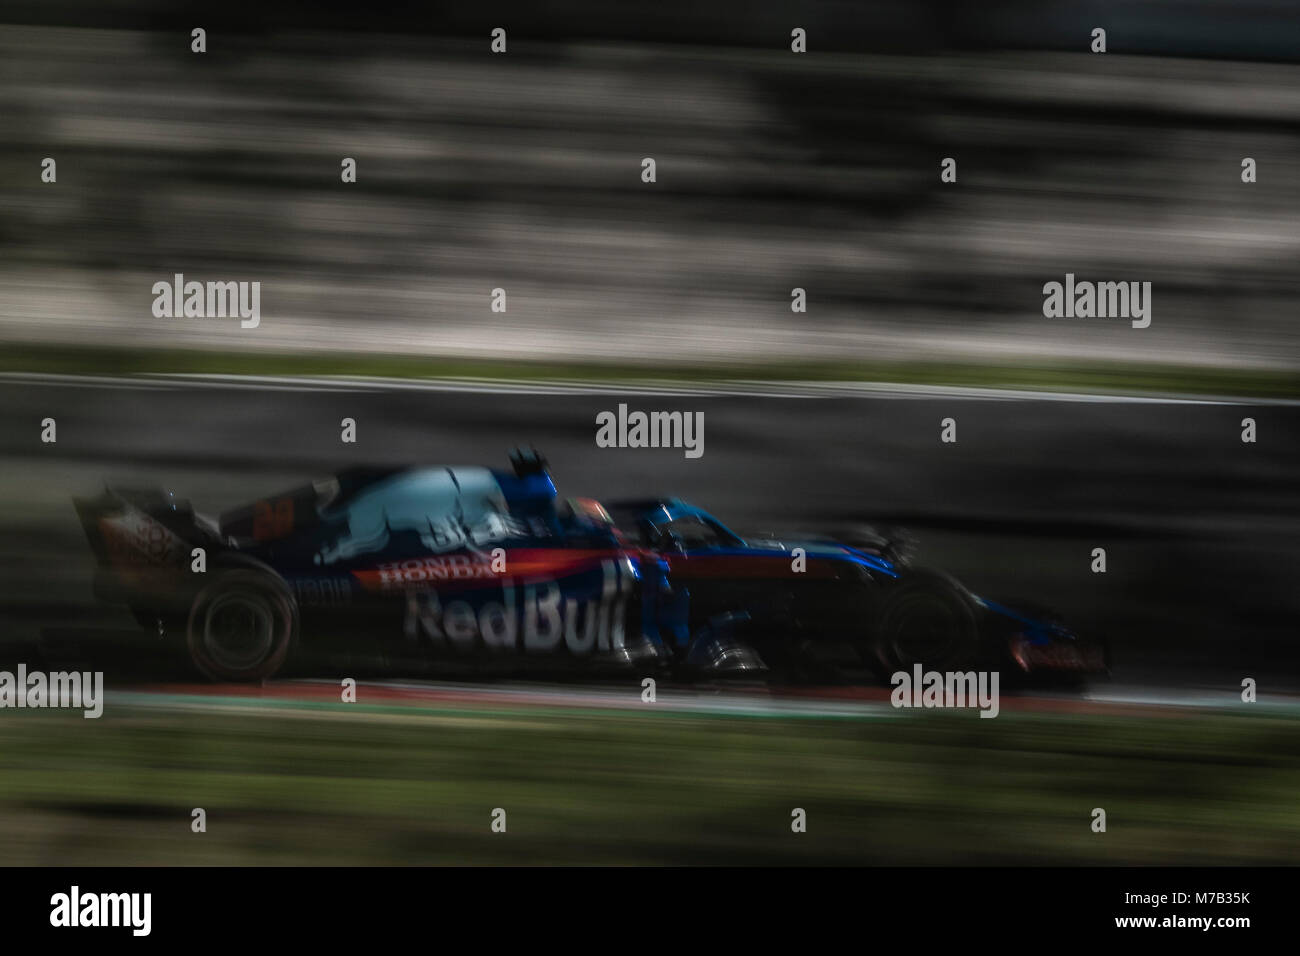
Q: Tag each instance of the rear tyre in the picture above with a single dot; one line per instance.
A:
(241, 626)
(927, 619)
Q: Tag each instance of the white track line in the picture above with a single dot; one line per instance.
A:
(444, 696)
(740, 388)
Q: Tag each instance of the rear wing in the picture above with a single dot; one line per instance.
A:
(143, 541)
(142, 528)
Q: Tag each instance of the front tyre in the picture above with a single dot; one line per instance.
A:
(927, 619)
(241, 626)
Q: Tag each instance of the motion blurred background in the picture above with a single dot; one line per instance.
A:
(775, 171)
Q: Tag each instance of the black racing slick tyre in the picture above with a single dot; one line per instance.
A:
(927, 619)
(241, 626)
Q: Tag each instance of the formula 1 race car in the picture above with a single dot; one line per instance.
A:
(489, 570)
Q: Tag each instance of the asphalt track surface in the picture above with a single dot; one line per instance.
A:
(1200, 529)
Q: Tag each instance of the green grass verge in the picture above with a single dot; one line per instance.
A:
(342, 787)
(1082, 377)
